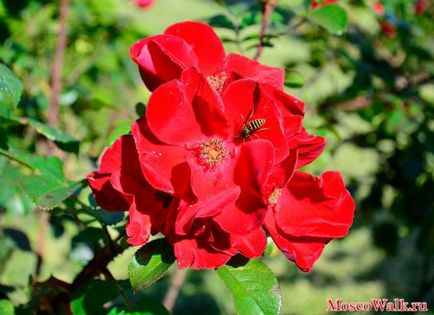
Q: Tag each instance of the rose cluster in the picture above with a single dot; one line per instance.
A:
(213, 165)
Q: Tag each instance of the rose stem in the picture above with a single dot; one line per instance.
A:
(53, 117)
(175, 286)
(267, 9)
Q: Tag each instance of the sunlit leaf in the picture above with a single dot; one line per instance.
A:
(10, 90)
(150, 263)
(332, 17)
(254, 288)
(12, 196)
(45, 184)
(47, 131)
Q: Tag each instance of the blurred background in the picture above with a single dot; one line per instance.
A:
(369, 90)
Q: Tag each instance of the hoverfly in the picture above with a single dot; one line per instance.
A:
(252, 126)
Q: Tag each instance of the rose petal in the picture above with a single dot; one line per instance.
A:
(246, 102)
(315, 206)
(208, 179)
(162, 58)
(282, 172)
(205, 43)
(309, 147)
(163, 165)
(253, 167)
(204, 208)
(287, 104)
(303, 251)
(105, 195)
(182, 112)
(251, 245)
(139, 226)
(239, 99)
(190, 253)
(248, 68)
(110, 196)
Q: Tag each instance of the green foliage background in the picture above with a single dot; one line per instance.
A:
(370, 95)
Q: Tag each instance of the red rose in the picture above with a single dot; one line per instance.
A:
(213, 163)
(199, 241)
(144, 4)
(191, 132)
(306, 213)
(164, 57)
(319, 3)
(120, 186)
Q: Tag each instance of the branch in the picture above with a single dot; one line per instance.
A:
(96, 266)
(175, 286)
(267, 9)
(53, 117)
(56, 78)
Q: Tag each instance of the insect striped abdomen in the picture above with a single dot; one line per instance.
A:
(252, 126)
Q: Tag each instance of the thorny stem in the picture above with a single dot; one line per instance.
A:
(175, 286)
(267, 9)
(53, 117)
(56, 79)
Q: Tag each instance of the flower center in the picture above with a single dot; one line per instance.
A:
(213, 152)
(274, 197)
(217, 81)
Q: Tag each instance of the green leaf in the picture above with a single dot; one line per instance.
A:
(12, 197)
(250, 18)
(19, 157)
(63, 140)
(47, 191)
(254, 288)
(293, 79)
(222, 21)
(46, 185)
(150, 263)
(332, 17)
(91, 297)
(145, 306)
(140, 109)
(10, 90)
(47, 131)
(84, 104)
(6, 307)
